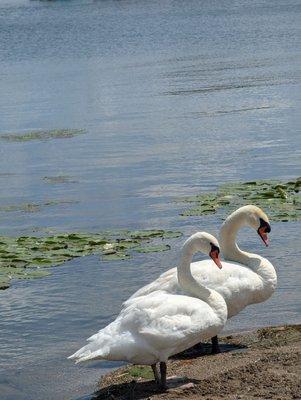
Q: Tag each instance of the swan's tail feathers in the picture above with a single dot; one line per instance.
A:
(91, 351)
(108, 344)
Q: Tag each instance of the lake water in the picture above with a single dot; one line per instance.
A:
(176, 97)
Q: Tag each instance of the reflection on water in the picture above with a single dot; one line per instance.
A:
(174, 100)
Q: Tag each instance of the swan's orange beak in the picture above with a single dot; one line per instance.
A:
(264, 236)
(214, 254)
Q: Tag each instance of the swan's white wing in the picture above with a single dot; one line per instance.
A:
(172, 315)
(238, 284)
(152, 328)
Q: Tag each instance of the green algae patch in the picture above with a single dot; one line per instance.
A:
(59, 179)
(4, 282)
(34, 207)
(280, 200)
(153, 249)
(115, 256)
(26, 207)
(28, 257)
(153, 234)
(41, 135)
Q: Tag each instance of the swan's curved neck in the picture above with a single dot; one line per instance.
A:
(185, 278)
(227, 239)
(262, 267)
(194, 288)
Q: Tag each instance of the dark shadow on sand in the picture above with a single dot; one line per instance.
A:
(143, 390)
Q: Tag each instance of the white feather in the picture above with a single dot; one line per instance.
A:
(250, 281)
(151, 328)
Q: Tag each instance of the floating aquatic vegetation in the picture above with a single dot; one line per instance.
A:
(59, 179)
(41, 135)
(115, 256)
(27, 207)
(34, 207)
(153, 249)
(6, 174)
(4, 282)
(26, 257)
(281, 200)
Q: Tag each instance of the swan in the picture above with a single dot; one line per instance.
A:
(247, 279)
(151, 328)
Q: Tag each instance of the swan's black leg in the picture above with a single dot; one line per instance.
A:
(163, 375)
(215, 345)
(156, 374)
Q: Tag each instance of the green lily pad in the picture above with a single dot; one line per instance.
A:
(7, 273)
(34, 207)
(115, 256)
(281, 200)
(41, 135)
(4, 282)
(171, 234)
(21, 207)
(58, 179)
(146, 234)
(18, 254)
(153, 249)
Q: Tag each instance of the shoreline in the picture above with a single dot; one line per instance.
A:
(260, 364)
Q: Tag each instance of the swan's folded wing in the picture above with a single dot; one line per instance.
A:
(166, 320)
(236, 283)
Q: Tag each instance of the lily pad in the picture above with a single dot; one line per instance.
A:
(18, 254)
(115, 256)
(281, 200)
(153, 249)
(58, 179)
(146, 234)
(21, 207)
(34, 207)
(41, 135)
(7, 273)
(4, 282)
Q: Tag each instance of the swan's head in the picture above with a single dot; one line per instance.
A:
(205, 243)
(258, 220)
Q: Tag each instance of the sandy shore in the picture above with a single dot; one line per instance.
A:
(264, 364)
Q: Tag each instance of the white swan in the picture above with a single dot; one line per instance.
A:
(151, 328)
(249, 279)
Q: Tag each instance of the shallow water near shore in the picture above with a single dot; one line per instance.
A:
(173, 101)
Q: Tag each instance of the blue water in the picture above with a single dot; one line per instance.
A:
(175, 98)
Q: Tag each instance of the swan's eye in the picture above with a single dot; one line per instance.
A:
(214, 248)
(264, 226)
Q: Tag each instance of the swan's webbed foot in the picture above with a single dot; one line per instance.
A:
(215, 346)
(163, 368)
